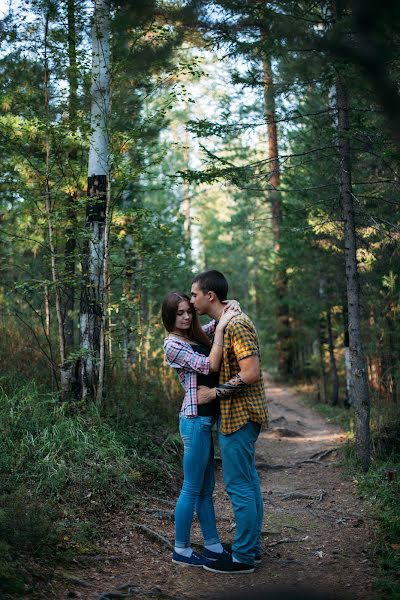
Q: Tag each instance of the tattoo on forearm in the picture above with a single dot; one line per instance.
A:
(231, 387)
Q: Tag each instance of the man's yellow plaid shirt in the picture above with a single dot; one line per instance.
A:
(241, 341)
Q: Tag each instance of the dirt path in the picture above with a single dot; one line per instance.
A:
(316, 531)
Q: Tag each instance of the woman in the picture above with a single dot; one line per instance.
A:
(189, 351)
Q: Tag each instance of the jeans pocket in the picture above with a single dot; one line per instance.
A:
(186, 430)
(206, 423)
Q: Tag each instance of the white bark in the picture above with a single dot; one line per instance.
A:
(100, 89)
(95, 259)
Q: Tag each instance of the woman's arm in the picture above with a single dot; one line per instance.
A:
(209, 328)
(231, 304)
(180, 355)
(218, 343)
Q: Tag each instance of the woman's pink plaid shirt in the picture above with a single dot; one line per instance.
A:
(181, 356)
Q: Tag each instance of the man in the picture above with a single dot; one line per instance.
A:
(243, 410)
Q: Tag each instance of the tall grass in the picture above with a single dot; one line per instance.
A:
(61, 463)
(62, 455)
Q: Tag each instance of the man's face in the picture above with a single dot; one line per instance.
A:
(200, 300)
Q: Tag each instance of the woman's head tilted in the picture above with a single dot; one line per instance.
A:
(174, 303)
(179, 316)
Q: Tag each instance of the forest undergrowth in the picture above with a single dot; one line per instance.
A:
(62, 464)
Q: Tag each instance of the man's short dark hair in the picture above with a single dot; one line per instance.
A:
(212, 281)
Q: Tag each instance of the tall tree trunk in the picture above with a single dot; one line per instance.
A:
(72, 66)
(186, 204)
(129, 290)
(332, 359)
(389, 352)
(283, 343)
(95, 252)
(359, 374)
(68, 370)
(49, 207)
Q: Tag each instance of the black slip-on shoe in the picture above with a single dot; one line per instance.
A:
(227, 565)
(257, 558)
(209, 555)
(195, 560)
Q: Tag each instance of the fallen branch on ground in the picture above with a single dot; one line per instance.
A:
(153, 535)
(287, 541)
(322, 453)
(313, 459)
(159, 513)
(304, 496)
(268, 467)
(97, 558)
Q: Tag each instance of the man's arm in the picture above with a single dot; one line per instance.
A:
(249, 373)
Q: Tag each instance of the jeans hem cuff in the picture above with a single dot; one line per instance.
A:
(211, 541)
(244, 562)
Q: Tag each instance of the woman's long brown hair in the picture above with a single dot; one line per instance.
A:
(169, 309)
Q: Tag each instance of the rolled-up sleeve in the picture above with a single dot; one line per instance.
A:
(243, 339)
(183, 356)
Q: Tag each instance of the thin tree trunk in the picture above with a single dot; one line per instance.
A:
(283, 343)
(347, 361)
(68, 370)
(47, 310)
(129, 291)
(321, 340)
(332, 360)
(47, 331)
(103, 329)
(186, 205)
(391, 362)
(359, 374)
(48, 204)
(95, 254)
(72, 66)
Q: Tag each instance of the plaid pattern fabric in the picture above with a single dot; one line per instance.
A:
(181, 356)
(241, 341)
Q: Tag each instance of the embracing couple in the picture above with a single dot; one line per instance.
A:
(219, 368)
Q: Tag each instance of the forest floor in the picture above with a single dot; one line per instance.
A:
(317, 531)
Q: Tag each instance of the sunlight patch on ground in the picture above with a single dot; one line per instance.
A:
(320, 436)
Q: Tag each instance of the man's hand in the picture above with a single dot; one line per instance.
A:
(205, 394)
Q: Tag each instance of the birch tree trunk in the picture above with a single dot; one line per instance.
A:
(95, 253)
(283, 343)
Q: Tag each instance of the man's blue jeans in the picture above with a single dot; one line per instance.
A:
(198, 483)
(243, 487)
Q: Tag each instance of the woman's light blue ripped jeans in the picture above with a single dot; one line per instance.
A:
(199, 481)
